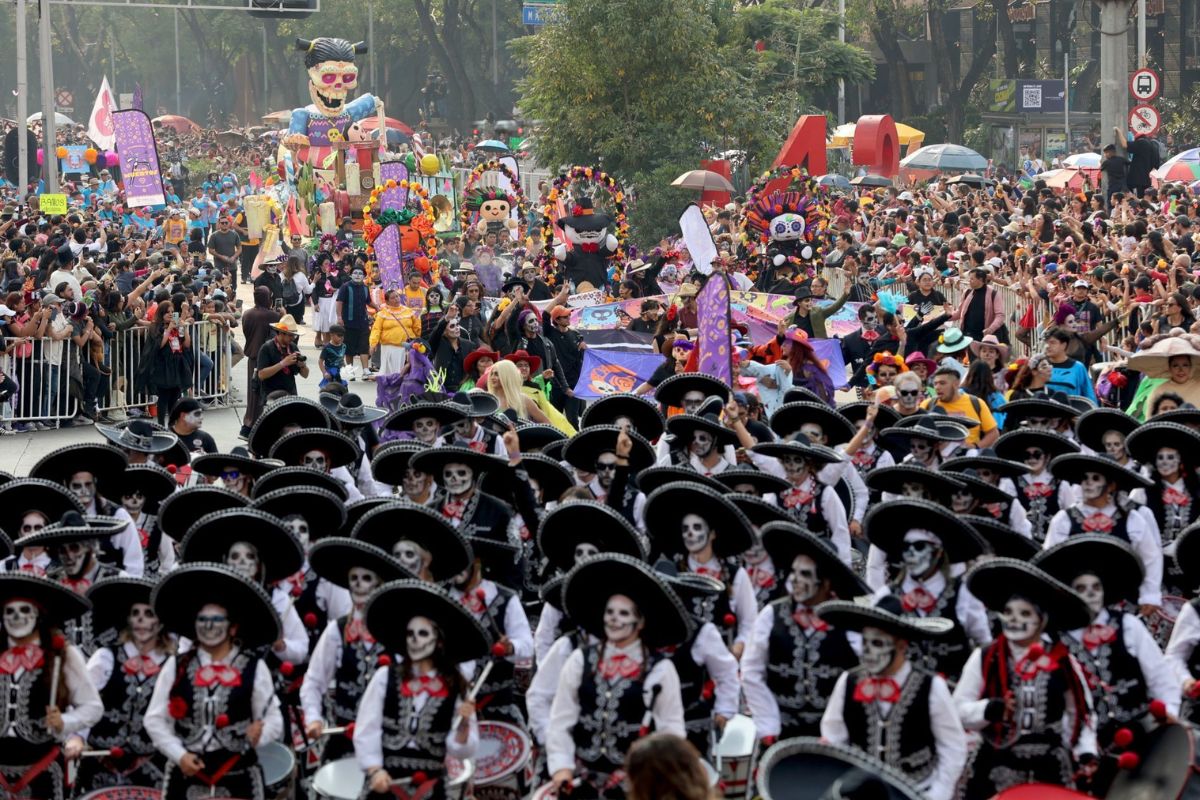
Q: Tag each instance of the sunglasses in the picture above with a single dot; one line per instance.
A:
(230, 475)
(602, 467)
(1034, 455)
(908, 392)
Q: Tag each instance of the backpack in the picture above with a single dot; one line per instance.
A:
(291, 295)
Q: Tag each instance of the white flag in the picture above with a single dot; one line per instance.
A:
(100, 124)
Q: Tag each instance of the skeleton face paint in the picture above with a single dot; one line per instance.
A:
(421, 639)
(1114, 445)
(243, 557)
(962, 502)
(1021, 621)
(83, 486)
(143, 623)
(814, 432)
(1167, 462)
(362, 583)
(134, 503)
(194, 418)
(1091, 590)
(621, 619)
(921, 449)
(76, 557)
(212, 625)
(805, 581)
(299, 528)
(916, 490)
(425, 429)
(457, 478)
(696, 533)
(415, 484)
(316, 459)
(692, 401)
(794, 467)
(20, 618)
(410, 555)
(920, 555)
(702, 443)
(585, 550)
(878, 650)
(1093, 486)
(464, 428)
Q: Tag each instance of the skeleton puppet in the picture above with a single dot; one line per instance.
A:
(332, 75)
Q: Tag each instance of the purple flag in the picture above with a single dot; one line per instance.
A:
(387, 257)
(606, 372)
(712, 309)
(138, 152)
(393, 199)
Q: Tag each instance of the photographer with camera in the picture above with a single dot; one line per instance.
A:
(279, 360)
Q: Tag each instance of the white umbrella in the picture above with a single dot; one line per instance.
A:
(1082, 160)
(945, 157)
(59, 119)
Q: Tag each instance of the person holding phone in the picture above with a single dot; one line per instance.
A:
(171, 368)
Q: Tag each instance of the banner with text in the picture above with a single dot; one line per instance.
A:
(138, 152)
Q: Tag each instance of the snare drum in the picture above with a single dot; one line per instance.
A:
(340, 780)
(503, 763)
(457, 785)
(124, 793)
(735, 756)
(278, 764)
(1039, 791)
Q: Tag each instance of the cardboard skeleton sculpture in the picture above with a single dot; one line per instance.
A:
(332, 76)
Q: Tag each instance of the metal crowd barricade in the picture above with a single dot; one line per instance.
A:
(41, 370)
(213, 382)
(125, 351)
(212, 371)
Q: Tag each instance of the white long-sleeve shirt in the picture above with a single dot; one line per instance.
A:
(709, 650)
(295, 637)
(1147, 546)
(546, 634)
(969, 612)
(368, 725)
(166, 546)
(946, 734)
(264, 705)
(127, 540)
(318, 676)
(1161, 680)
(544, 685)
(348, 480)
(744, 602)
(84, 708)
(1185, 636)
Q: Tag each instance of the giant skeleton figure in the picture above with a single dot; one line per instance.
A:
(332, 75)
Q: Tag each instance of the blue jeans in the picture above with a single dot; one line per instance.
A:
(50, 391)
(206, 368)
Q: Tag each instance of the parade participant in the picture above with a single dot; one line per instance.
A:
(704, 533)
(893, 709)
(284, 416)
(424, 422)
(1181, 651)
(613, 692)
(808, 768)
(930, 440)
(701, 440)
(988, 468)
(688, 391)
(142, 489)
(469, 510)
(794, 658)
(346, 654)
(299, 478)
(37, 731)
(466, 430)
(1103, 431)
(28, 506)
(1099, 479)
(325, 451)
(627, 411)
(1024, 692)
(869, 455)
(125, 673)
(1002, 540)
(1049, 411)
(917, 482)
(416, 712)
(810, 501)
(391, 467)
(179, 512)
(236, 471)
(1169, 450)
(419, 538)
(606, 459)
(979, 496)
(356, 419)
(141, 440)
(82, 468)
(213, 705)
(1041, 493)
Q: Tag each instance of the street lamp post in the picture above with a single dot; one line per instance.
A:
(49, 132)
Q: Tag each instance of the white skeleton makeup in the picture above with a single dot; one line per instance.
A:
(415, 484)
(696, 533)
(212, 625)
(692, 401)
(755, 555)
(916, 490)
(425, 429)
(134, 503)
(962, 501)
(702, 443)
(624, 423)
(585, 550)
(1035, 459)
(298, 525)
(362, 582)
(411, 556)
(75, 557)
(606, 469)
(1093, 486)
(144, 624)
(1091, 590)
(878, 650)
(1021, 621)
(20, 618)
(194, 418)
(794, 467)
(805, 580)
(243, 558)
(921, 449)
(421, 639)
(622, 620)
(315, 459)
(83, 486)
(813, 432)
(457, 478)
(920, 555)
(464, 428)
(1167, 462)
(1114, 445)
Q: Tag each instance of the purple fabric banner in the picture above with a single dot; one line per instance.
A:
(393, 199)
(387, 258)
(139, 158)
(712, 310)
(606, 372)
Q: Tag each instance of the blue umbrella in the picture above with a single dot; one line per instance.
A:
(946, 157)
(834, 181)
(493, 145)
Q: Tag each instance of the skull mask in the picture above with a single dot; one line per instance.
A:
(920, 555)
(332, 74)
(243, 558)
(299, 528)
(622, 621)
(144, 624)
(585, 550)
(134, 503)
(421, 639)
(425, 429)
(787, 227)
(696, 533)
(457, 478)
(83, 486)
(410, 555)
(1167, 462)
(1021, 621)
(76, 557)
(1091, 590)
(805, 580)
(1093, 486)
(692, 401)
(316, 459)
(20, 618)
(415, 484)
(361, 582)
(878, 650)
(702, 443)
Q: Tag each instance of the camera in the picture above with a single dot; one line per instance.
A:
(301, 358)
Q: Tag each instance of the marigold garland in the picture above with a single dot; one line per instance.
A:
(422, 222)
(515, 192)
(560, 187)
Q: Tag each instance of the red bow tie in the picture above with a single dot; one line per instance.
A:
(296, 583)
(478, 447)
(426, 684)
(454, 508)
(474, 601)
(77, 585)
(33, 569)
(1096, 635)
(1098, 523)
(619, 666)
(883, 690)
(918, 600)
(761, 577)
(1038, 490)
(356, 631)
(995, 509)
(590, 248)
(870, 336)
(1035, 661)
(863, 458)
(707, 572)
(26, 657)
(144, 537)
(217, 673)
(809, 621)
(145, 666)
(1174, 497)
(796, 497)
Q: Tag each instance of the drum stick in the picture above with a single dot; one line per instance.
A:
(487, 670)
(95, 753)
(333, 731)
(55, 672)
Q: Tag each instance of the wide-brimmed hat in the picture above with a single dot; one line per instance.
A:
(1071, 468)
(1153, 361)
(73, 528)
(651, 478)
(153, 482)
(810, 451)
(645, 416)
(668, 505)
(671, 391)
(757, 510)
(387, 524)
(214, 465)
(111, 599)
(323, 510)
(497, 559)
(683, 426)
(1091, 426)
(445, 413)
(393, 605)
(177, 513)
(24, 495)
(1145, 442)
(584, 217)
(211, 537)
(586, 522)
(391, 460)
(483, 351)
(887, 523)
(103, 461)
(358, 509)
(1056, 406)
(298, 478)
(1110, 559)
(953, 340)
(698, 593)
(997, 580)
(926, 426)
(433, 460)
(286, 325)
(284, 413)
(582, 449)
(884, 613)
(590, 584)
(339, 449)
(534, 362)
(1187, 555)
(532, 437)
(783, 541)
(332, 559)
(990, 340)
(54, 600)
(917, 357)
(808, 768)
(552, 477)
(787, 420)
(349, 409)
(1012, 445)
(183, 591)
(1186, 414)
(140, 436)
(763, 482)
(1001, 539)
(801, 394)
(987, 459)
(884, 418)
(986, 493)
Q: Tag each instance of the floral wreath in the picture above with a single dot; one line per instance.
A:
(422, 221)
(801, 183)
(561, 187)
(885, 357)
(471, 196)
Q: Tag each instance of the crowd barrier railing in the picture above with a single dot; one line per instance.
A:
(37, 380)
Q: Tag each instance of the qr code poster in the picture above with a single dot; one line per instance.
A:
(1031, 97)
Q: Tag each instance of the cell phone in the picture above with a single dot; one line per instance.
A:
(175, 317)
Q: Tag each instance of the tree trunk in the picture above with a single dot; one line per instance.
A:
(956, 97)
(899, 84)
(446, 47)
(1012, 68)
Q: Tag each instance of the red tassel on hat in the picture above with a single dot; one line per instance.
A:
(499, 650)
(729, 619)
(171, 468)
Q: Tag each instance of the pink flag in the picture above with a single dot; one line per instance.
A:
(100, 124)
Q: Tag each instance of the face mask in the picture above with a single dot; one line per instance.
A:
(212, 626)
(920, 556)
(1021, 621)
(421, 639)
(621, 619)
(20, 618)
(361, 583)
(696, 533)
(457, 478)
(804, 579)
(878, 650)
(1091, 590)
(243, 558)
(143, 623)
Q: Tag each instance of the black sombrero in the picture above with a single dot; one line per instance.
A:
(682, 426)
(987, 459)
(340, 450)
(590, 522)
(53, 599)
(287, 412)
(787, 420)
(497, 559)
(589, 585)
(1002, 539)
(394, 604)
(998, 580)
(1110, 559)
(183, 591)
(1145, 442)
(887, 523)
(758, 511)
(1012, 445)
(139, 435)
(555, 449)
(214, 465)
(324, 511)
(1072, 467)
(892, 479)
(154, 483)
(73, 528)
(799, 394)
(390, 461)
(582, 449)
(1185, 559)
(446, 413)
(477, 402)
(651, 478)
(5, 477)
(26, 495)
(533, 437)
(671, 391)
(807, 768)
(584, 216)
(179, 512)
(1056, 405)
(783, 541)
(1187, 414)
(175, 457)
(6, 545)
(980, 489)
(698, 593)
(103, 461)
(762, 482)
(886, 614)
(111, 599)
(807, 450)
(550, 592)
(332, 559)
(551, 476)
(432, 460)
(1091, 426)
(211, 537)
(669, 504)
(349, 409)
(386, 525)
(926, 426)
(884, 418)
(645, 417)
(360, 508)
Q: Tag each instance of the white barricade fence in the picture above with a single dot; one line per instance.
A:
(212, 362)
(211, 366)
(40, 380)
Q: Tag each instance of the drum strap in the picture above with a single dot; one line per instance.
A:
(221, 771)
(30, 774)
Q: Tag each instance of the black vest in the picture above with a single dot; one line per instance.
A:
(1119, 528)
(107, 552)
(427, 729)
(356, 664)
(199, 707)
(905, 739)
(802, 670)
(306, 604)
(151, 537)
(1041, 705)
(695, 688)
(948, 654)
(1119, 693)
(500, 681)
(79, 630)
(1172, 519)
(126, 698)
(809, 515)
(610, 714)
(23, 700)
(720, 611)
(1039, 509)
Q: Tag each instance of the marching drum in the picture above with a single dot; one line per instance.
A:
(503, 763)
(340, 780)
(1163, 769)
(1040, 791)
(735, 755)
(278, 763)
(457, 786)
(124, 793)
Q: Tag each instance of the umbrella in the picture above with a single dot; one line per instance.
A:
(492, 146)
(59, 119)
(871, 180)
(833, 181)
(231, 138)
(703, 179)
(371, 123)
(279, 117)
(1182, 167)
(843, 135)
(1083, 161)
(1195, 187)
(971, 179)
(1065, 178)
(176, 122)
(945, 157)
